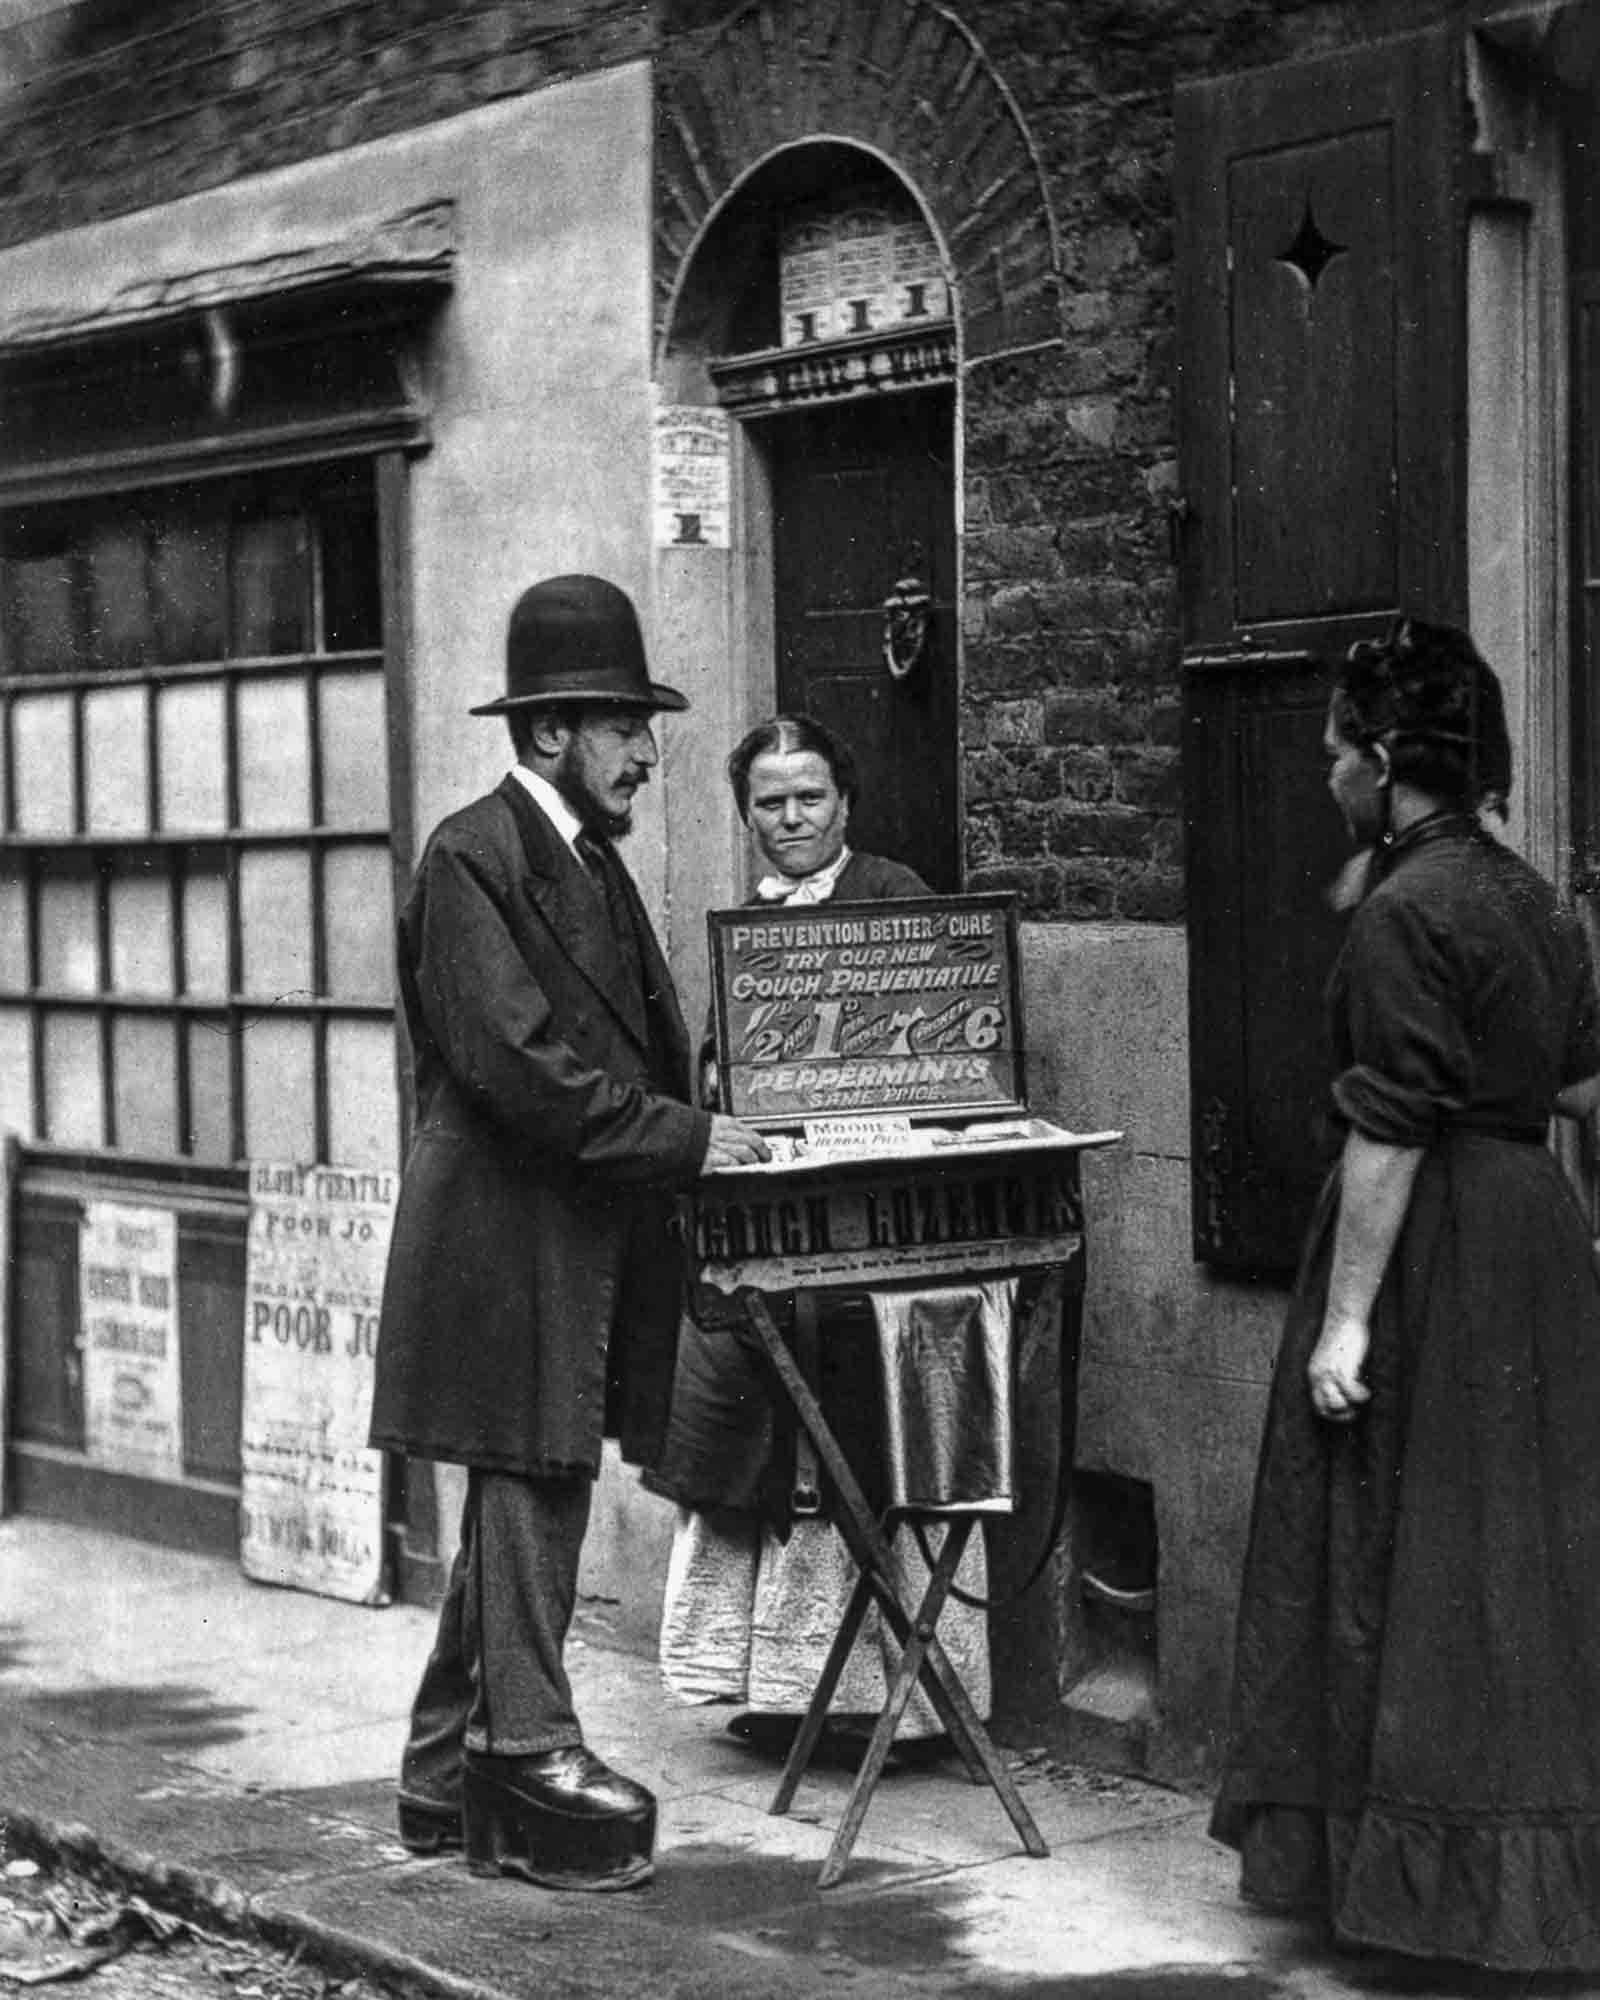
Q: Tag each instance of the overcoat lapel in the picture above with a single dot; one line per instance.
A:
(660, 991)
(574, 906)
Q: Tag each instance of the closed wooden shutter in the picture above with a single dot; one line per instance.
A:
(1321, 311)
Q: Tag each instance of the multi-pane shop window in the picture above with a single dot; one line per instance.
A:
(195, 900)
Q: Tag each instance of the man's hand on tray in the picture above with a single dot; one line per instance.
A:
(733, 1144)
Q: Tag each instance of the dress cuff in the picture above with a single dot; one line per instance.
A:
(1387, 1111)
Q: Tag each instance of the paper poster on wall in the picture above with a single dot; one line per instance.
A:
(311, 1502)
(855, 271)
(806, 287)
(132, 1381)
(863, 271)
(920, 289)
(691, 457)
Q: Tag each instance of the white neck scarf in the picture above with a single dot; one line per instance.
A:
(804, 888)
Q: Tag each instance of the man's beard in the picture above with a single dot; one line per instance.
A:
(596, 815)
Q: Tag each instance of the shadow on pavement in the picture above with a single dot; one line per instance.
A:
(917, 1932)
(172, 1717)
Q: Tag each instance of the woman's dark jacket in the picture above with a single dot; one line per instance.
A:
(726, 1444)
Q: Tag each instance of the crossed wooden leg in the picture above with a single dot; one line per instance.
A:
(922, 1657)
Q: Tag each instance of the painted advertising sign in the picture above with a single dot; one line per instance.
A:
(900, 1009)
(132, 1380)
(311, 1503)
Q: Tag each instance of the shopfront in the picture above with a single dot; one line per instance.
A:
(1037, 395)
(275, 463)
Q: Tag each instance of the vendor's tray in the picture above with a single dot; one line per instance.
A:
(872, 1148)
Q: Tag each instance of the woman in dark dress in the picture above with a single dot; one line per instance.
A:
(1416, 1736)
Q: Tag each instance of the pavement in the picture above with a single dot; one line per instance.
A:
(228, 1749)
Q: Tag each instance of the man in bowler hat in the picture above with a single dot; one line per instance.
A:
(531, 1303)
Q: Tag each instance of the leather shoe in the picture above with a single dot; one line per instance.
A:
(563, 1820)
(428, 1825)
(768, 1732)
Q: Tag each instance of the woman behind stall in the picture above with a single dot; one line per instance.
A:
(754, 1592)
(1416, 1739)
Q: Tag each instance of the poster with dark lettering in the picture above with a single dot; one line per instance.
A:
(132, 1379)
(311, 1496)
(899, 1009)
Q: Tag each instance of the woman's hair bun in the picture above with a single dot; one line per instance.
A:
(1426, 693)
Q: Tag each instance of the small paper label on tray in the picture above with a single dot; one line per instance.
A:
(857, 1135)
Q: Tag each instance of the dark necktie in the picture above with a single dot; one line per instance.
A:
(600, 860)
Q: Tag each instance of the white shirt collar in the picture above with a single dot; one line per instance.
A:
(804, 888)
(550, 802)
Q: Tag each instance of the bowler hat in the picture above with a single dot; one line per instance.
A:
(577, 639)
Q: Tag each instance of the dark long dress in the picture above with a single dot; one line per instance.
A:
(1416, 1738)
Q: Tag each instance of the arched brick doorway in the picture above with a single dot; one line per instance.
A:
(757, 110)
(843, 421)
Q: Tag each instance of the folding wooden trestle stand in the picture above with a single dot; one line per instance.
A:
(970, 1212)
(880, 1047)
(921, 1655)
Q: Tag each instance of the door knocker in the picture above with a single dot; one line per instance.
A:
(905, 626)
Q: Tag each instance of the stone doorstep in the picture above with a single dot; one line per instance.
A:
(1109, 1716)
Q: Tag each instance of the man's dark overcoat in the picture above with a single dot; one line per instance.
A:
(533, 1255)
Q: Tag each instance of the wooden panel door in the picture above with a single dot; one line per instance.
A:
(863, 494)
(1265, 843)
(1322, 357)
(1581, 1147)
(1322, 408)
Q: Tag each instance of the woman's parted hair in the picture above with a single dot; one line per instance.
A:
(1428, 696)
(784, 736)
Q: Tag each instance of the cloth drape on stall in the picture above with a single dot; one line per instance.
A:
(749, 1617)
(945, 1357)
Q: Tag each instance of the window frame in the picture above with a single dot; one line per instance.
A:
(107, 853)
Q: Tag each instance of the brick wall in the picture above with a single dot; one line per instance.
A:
(114, 105)
(1039, 133)
(1071, 709)
(1071, 761)
(1039, 137)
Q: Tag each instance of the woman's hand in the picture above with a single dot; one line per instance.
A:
(1334, 1370)
(1375, 1183)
